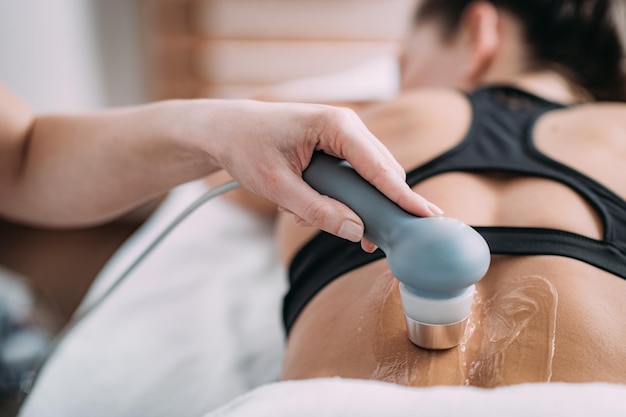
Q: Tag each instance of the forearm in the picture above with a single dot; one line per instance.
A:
(78, 170)
(84, 169)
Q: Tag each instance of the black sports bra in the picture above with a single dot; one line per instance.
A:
(499, 140)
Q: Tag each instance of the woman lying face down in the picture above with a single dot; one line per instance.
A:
(511, 120)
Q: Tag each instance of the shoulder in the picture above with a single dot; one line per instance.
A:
(16, 121)
(417, 125)
(602, 123)
(610, 115)
(590, 138)
(424, 105)
(15, 116)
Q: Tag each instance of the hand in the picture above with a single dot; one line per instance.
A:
(268, 145)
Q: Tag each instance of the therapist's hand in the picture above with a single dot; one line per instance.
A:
(267, 146)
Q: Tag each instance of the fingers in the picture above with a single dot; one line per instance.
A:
(368, 246)
(374, 162)
(273, 166)
(347, 137)
(313, 209)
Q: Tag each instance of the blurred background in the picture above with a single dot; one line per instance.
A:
(70, 55)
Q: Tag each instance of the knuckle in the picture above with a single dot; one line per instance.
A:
(267, 182)
(382, 170)
(317, 212)
(344, 116)
(335, 116)
(334, 124)
(272, 178)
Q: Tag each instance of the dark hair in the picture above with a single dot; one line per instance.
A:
(582, 39)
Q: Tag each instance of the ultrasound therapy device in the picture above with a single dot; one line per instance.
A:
(437, 260)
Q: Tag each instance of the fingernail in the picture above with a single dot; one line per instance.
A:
(369, 248)
(434, 209)
(351, 231)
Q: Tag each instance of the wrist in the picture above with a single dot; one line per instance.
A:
(215, 128)
(186, 125)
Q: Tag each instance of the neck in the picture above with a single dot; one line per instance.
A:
(509, 65)
(547, 84)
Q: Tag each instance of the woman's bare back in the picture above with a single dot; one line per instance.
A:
(536, 318)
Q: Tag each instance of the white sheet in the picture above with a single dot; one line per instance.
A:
(343, 397)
